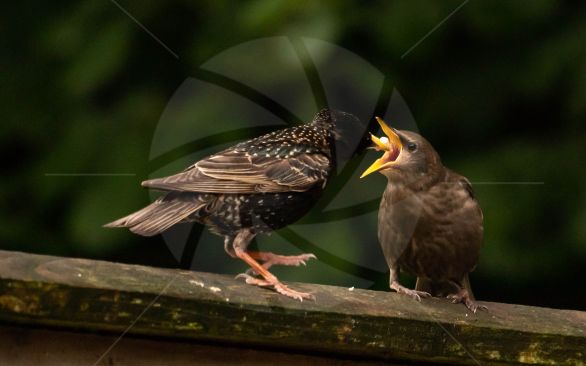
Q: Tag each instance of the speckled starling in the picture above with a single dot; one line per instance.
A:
(429, 223)
(254, 187)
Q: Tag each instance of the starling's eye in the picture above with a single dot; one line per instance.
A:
(411, 146)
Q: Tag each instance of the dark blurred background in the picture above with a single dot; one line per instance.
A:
(499, 88)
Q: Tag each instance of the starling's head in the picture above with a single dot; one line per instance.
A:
(347, 130)
(407, 155)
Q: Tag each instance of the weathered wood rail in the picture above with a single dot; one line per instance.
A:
(79, 308)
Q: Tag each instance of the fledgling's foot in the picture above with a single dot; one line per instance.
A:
(417, 295)
(463, 297)
(277, 285)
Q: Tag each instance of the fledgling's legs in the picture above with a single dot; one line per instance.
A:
(240, 243)
(395, 285)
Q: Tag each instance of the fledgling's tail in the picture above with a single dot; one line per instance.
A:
(442, 288)
(160, 215)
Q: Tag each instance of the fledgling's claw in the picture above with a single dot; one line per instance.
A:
(463, 296)
(417, 295)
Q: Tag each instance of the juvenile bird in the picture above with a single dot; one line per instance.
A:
(429, 223)
(254, 187)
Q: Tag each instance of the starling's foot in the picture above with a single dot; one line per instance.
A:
(462, 296)
(417, 295)
(271, 259)
(284, 290)
(287, 260)
(277, 285)
(253, 280)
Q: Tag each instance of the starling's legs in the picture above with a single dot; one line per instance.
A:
(228, 246)
(240, 243)
(465, 297)
(395, 285)
(271, 259)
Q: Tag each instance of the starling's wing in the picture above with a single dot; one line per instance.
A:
(234, 171)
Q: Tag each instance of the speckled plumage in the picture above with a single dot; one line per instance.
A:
(254, 187)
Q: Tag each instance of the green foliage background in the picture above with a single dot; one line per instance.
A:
(499, 89)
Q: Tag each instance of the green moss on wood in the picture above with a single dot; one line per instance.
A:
(94, 295)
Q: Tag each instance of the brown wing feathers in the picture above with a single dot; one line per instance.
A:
(222, 174)
(290, 160)
(160, 215)
(238, 172)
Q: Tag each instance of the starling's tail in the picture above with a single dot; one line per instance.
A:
(160, 215)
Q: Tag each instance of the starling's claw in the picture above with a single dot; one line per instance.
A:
(284, 290)
(249, 272)
(253, 281)
(271, 259)
(293, 260)
(278, 286)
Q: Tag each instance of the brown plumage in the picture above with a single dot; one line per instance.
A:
(429, 222)
(254, 187)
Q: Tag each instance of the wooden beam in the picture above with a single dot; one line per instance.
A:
(21, 346)
(87, 295)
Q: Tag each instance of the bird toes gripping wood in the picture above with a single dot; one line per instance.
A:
(462, 296)
(277, 285)
(268, 279)
(417, 295)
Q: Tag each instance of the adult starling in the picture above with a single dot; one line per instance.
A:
(429, 223)
(254, 187)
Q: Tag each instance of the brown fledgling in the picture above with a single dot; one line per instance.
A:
(429, 223)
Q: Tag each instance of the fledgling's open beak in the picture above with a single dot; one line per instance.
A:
(391, 145)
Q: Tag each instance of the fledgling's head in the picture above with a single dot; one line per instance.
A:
(407, 157)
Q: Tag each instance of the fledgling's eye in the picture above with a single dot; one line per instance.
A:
(411, 146)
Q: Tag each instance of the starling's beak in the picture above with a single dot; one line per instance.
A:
(391, 145)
